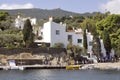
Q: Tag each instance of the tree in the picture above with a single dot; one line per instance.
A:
(69, 49)
(96, 46)
(71, 21)
(118, 48)
(57, 20)
(11, 39)
(99, 16)
(89, 24)
(112, 24)
(107, 43)
(77, 50)
(73, 51)
(3, 15)
(5, 21)
(28, 35)
(85, 45)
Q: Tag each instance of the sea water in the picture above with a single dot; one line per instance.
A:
(59, 74)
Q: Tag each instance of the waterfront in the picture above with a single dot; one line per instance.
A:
(59, 74)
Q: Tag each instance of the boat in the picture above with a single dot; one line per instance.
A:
(16, 68)
(13, 65)
(73, 67)
(21, 68)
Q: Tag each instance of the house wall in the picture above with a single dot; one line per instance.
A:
(89, 42)
(33, 21)
(47, 32)
(75, 38)
(50, 36)
(19, 21)
(103, 51)
(60, 37)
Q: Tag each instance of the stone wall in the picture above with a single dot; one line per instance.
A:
(32, 50)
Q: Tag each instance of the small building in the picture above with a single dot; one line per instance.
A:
(19, 21)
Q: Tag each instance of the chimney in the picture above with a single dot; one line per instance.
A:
(50, 18)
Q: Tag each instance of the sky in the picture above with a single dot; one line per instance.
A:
(79, 6)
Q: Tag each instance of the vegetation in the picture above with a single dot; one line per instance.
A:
(5, 21)
(3, 16)
(85, 45)
(111, 24)
(107, 43)
(89, 23)
(58, 45)
(44, 13)
(28, 35)
(104, 26)
(10, 37)
(70, 21)
(73, 51)
(96, 46)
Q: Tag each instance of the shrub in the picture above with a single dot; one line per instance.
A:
(58, 45)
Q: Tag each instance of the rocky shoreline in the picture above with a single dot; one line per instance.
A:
(98, 66)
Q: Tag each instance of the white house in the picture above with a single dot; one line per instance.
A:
(19, 21)
(56, 33)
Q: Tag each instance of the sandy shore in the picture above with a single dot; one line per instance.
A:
(102, 66)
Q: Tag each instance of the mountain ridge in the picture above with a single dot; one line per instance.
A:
(44, 13)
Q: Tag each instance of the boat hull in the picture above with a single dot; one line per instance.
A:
(73, 67)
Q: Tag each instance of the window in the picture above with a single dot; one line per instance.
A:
(57, 32)
(90, 43)
(69, 37)
(41, 33)
(79, 40)
(19, 27)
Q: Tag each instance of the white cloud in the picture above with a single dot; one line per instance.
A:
(17, 6)
(112, 5)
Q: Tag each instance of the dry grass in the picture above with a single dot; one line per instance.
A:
(25, 55)
(52, 58)
(4, 58)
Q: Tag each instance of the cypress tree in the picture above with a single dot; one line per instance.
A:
(28, 36)
(85, 41)
(107, 43)
(96, 46)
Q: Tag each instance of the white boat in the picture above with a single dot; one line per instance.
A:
(16, 67)
(13, 65)
(21, 68)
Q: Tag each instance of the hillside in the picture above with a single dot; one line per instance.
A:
(44, 13)
(41, 13)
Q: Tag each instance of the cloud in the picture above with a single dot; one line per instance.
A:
(112, 5)
(16, 6)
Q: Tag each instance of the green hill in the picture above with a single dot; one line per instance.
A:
(44, 13)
